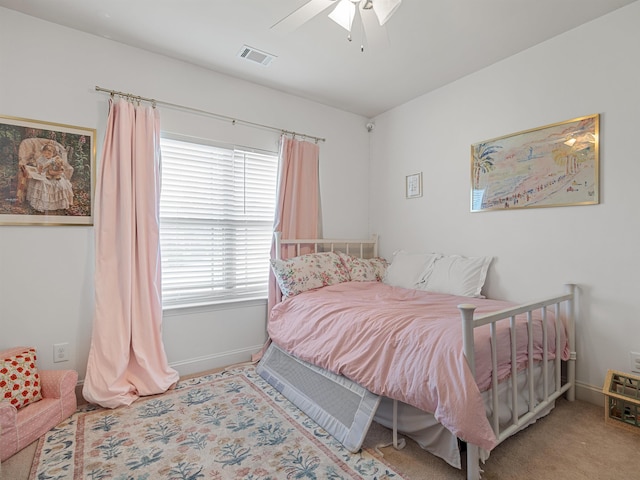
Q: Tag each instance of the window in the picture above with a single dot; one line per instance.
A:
(216, 219)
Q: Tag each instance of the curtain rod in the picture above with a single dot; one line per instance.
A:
(234, 121)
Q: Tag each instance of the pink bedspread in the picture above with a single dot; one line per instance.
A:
(406, 345)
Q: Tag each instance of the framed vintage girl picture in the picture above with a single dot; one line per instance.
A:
(47, 173)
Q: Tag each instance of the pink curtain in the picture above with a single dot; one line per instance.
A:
(127, 358)
(298, 213)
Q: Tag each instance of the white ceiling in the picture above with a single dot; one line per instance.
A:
(431, 42)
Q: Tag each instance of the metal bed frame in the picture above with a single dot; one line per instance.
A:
(564, 314)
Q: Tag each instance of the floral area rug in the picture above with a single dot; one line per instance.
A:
(228, 425)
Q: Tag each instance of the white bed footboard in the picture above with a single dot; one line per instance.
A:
(564, 316)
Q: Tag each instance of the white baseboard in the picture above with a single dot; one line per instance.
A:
(589, 393)
(190, 366)
(584, 391)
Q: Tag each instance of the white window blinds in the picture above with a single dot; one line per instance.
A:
(216, 219)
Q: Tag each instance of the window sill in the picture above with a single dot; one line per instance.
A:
(172, 311)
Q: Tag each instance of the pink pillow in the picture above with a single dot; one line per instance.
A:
(19, 379)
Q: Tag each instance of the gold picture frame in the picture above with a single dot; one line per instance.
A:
(551, 166)
(413, 185)
(47, 173)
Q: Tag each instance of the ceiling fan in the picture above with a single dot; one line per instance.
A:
(373, 14)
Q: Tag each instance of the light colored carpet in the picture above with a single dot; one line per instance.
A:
(571, 443)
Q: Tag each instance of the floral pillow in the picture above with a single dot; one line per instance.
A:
(364, 269)
(19, 379)
(306, 272)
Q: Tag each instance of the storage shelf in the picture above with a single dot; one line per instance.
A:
(622, 400)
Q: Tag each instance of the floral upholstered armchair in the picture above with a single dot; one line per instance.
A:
(32, 401)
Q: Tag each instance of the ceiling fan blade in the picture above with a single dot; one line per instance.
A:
(385, 8)
(376, 35)
(343, 14)
(303, 14)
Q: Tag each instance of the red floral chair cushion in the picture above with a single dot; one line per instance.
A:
(19, 379)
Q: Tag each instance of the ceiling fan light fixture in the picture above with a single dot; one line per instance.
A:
(344, 14)
(385, 9)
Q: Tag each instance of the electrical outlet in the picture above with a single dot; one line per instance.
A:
(634, 358)
(60, 352)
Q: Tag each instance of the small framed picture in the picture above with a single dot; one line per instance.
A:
(414, 185)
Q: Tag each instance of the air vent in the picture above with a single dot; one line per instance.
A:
(255, 55)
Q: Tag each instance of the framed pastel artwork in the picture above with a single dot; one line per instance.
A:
(551, 166)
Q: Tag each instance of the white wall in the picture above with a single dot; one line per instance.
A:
(49, 73)
(592, 69)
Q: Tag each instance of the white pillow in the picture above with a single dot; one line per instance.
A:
(407, 269)
(457, 275)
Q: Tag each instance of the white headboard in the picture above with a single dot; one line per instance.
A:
(360, 248)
